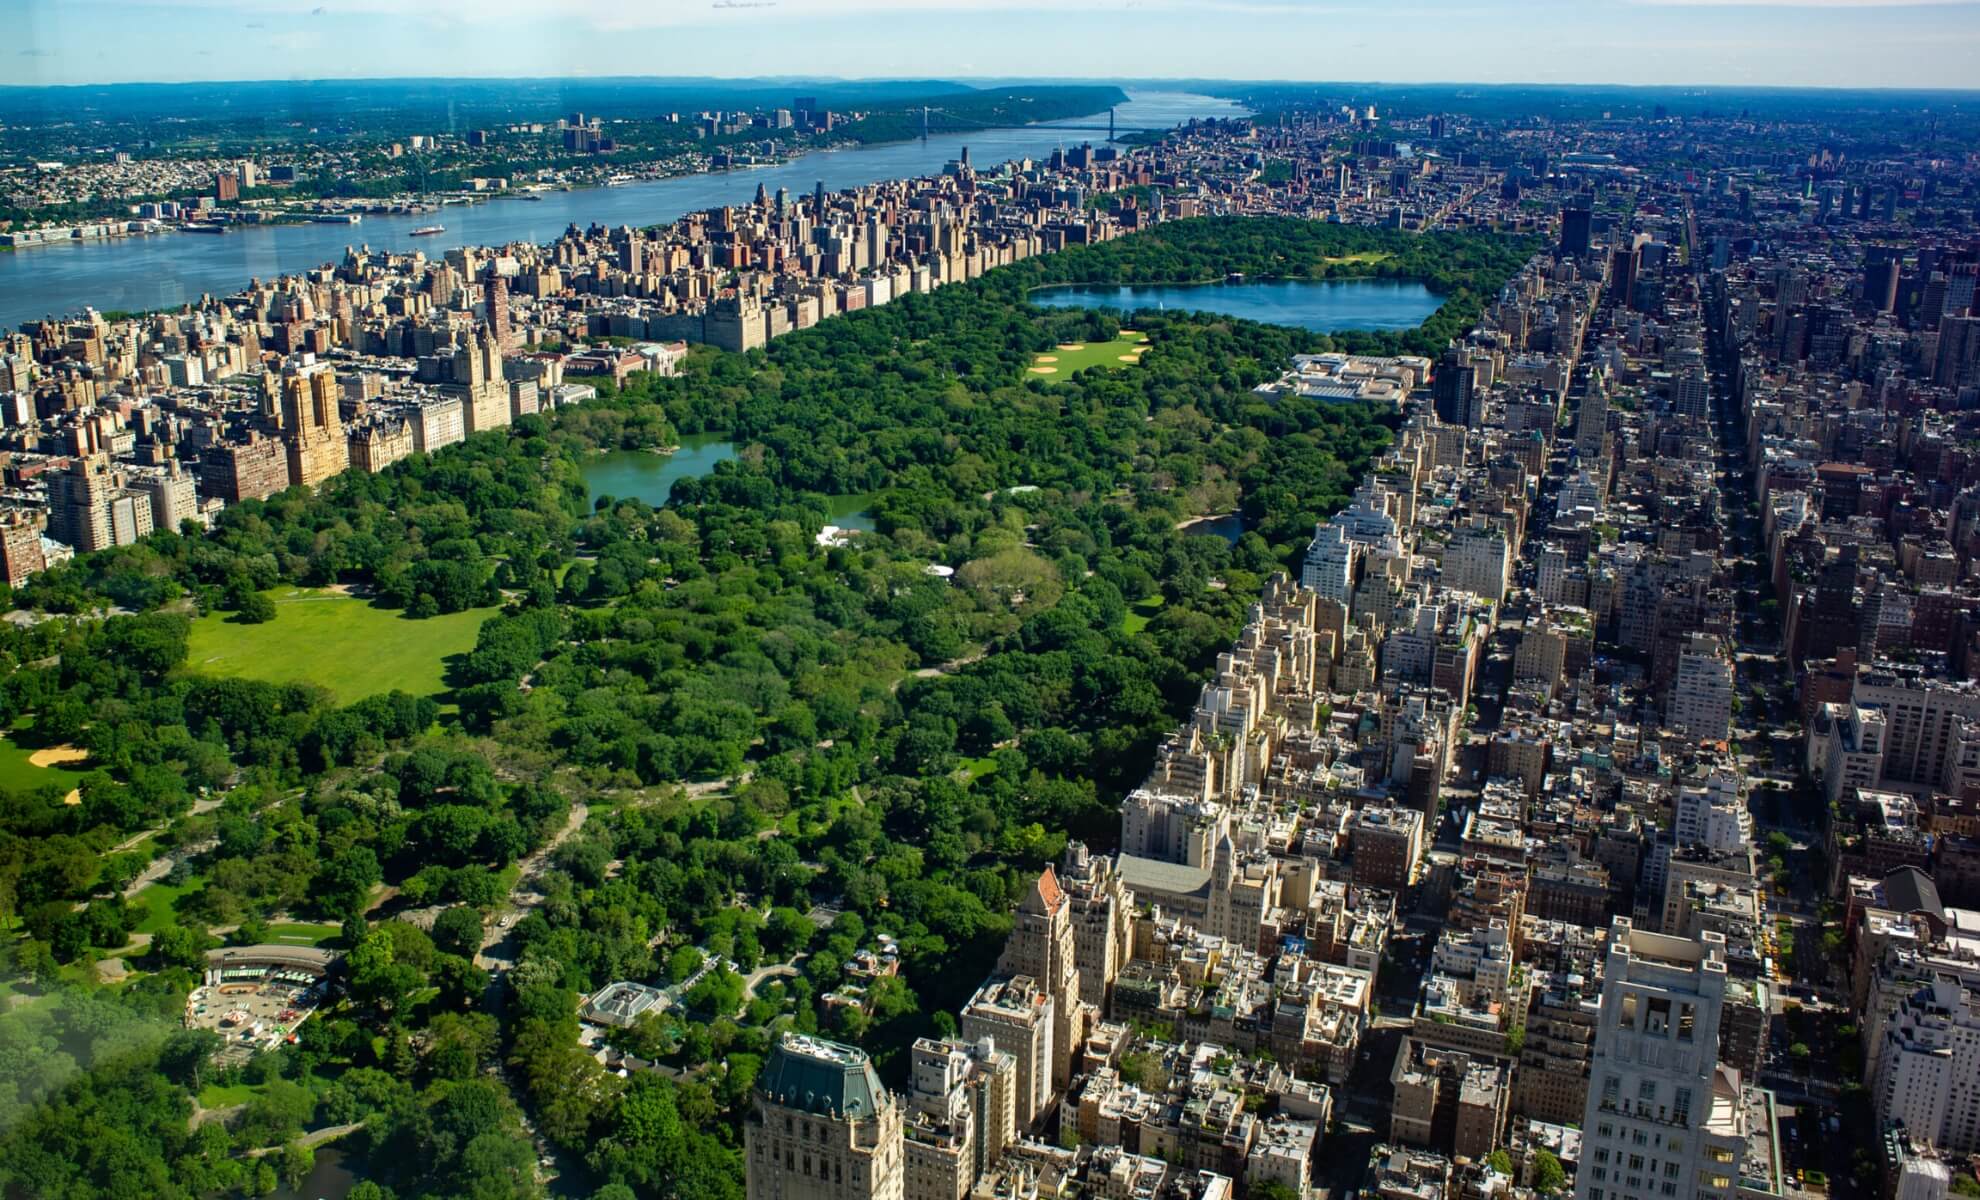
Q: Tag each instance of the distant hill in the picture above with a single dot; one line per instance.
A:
(452, 103)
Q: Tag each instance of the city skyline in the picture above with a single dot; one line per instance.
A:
(1774, 43)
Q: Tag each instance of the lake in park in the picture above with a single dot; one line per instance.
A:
(650, 476)
(1323, 305)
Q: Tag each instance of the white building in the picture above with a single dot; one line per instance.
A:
(1664, 1120)
(1478, 560)
(1715, 815)
(1930, 1077)
(1331, 559)
(1702, 696)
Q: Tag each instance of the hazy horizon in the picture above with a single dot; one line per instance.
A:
(1852, 44)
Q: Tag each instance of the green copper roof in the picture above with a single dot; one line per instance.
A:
(825, 1078)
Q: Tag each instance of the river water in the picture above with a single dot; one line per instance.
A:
(1323, 305)
(168, 269)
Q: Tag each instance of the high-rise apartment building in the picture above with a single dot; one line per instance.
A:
(822, 1127)
(90, 508)
(1040, 947)
(1702, 695)
(961, 1115)
(1330, 564)
(1958, 362)
(1929, 1077)
(1478, 559)
(1102, 921)
(1664, 1118)
(21, 554)
(1018, 1016)
(312, 426)
(172, 493)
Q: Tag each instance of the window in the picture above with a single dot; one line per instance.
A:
(1659, 1023)
(1601, 1156)
(1636, 1162)
(1629, 1006)
(1611, 1091)
(1681, 1106)
(1687, 1021)
(1646, 1092)
(1601, 1173)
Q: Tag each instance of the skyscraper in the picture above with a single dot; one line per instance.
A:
(1577, 226)
(1041, 946)
(822, 1127)
(498, 308)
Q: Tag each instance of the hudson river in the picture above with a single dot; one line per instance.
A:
(168, 269)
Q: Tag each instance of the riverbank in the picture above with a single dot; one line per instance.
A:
(147, 274)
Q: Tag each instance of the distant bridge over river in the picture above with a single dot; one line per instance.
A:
(935, 120)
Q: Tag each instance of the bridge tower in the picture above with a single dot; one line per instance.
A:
(1110, 124)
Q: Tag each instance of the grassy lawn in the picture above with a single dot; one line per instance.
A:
(976, 768)
(213, 1095)
(338, 642)
(1113, 355)
(152, 906)
(1141, 612)
(296, 934)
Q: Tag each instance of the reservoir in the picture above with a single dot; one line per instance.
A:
(169, 269)
(1322, 305)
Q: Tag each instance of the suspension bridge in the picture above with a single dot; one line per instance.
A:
(935, 120)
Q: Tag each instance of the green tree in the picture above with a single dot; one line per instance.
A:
(1549, 1177)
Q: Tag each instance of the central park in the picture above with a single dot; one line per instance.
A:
(707, 722)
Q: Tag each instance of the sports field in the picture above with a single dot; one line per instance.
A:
(340, 642)
(19, 770)
(1070, 358)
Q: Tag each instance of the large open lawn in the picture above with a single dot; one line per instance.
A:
(1074, 357)
(340, 642)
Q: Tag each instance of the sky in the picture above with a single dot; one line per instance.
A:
(1832, 43)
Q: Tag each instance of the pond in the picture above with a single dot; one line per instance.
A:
(848, 511)
(330, 1179)
(1323, 305)
(1229, 526)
